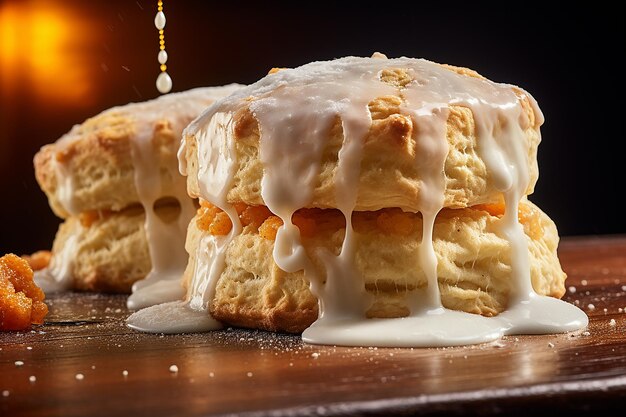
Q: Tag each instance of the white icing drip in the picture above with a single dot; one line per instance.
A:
(216, 165)
(166, 241)
(294, 121)
(57, 277)
(431, 150)
(65, 187)
(180, 319)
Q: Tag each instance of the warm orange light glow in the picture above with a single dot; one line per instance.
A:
(42, 49)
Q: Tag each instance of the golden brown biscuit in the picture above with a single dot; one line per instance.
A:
(103, 175)
(398, 146)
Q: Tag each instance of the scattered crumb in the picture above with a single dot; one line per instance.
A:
(79, 377)
(315, 355)
(249, 374)
(19, 363)
(572, 289)
(623, 287)
(551, 344)
(32, 379)
(173, 369)
(619, 310)
(583, 282)
(586, 333)
(5, 393)
(612, 323)
(29, 348)
(591, 306)
(125, 373)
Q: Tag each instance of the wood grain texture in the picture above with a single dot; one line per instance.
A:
(257, 373)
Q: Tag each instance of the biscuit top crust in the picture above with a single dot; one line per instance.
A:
(306, 116)
(94, 166)
(177, 108)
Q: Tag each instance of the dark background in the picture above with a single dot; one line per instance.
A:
(63, 61)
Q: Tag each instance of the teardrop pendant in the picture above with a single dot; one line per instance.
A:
(164, 83)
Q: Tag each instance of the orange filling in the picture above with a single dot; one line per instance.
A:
(527, 215)
(21, 300)
(87, 218)
(389, 221)
(309, 221)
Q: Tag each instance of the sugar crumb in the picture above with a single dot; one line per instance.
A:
(551, 344)
(612, 323)
(6, 393)
(32, 379)
(125, 373)
(173, 369)
(79, 377)
(19, 363)
(583, 282)
(591, 306)
(572, 289)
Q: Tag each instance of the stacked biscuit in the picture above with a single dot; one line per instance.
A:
(114, 181)
(350, 185)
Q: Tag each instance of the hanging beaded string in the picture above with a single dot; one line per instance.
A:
(163, 82)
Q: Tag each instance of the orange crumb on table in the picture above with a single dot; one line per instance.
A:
(21, 300)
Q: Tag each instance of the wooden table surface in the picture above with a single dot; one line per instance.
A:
(75, 365)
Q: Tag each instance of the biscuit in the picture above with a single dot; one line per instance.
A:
(103, 176)
(431, 164)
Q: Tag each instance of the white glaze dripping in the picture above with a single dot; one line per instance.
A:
(166, 241)
(293, 123)
(57, 277)
(216, 164)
